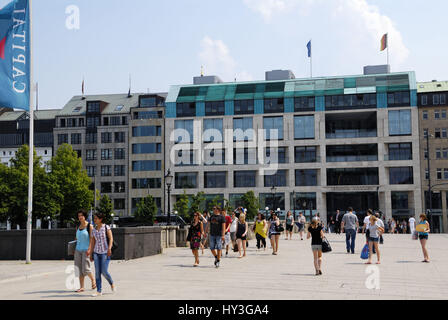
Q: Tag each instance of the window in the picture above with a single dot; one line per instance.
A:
(215, 108)
(304, 104)
(277, 179)
(399, 99)
(105, 121)
(145, 115)
(106, 154)
(277, 155)
(243, 107)
(303, 127)
(444, 136)
(445, 153)
(76, 138)
(119, 171)
(214, 157)
(186, 180)
(119, 204)
(439, 174)
(425, 133)
(62, 123)
(351, 125)
(437, 133)
(246, 156)
(435, 99)
(400, 200)
(147, 165)
(276, 105)
(183, 131)
(62, 138)
(147, 183)
(424, 100)
(148, 131)
(244, 179)
(400, 151)
(106, 187)
(106, 137)
(352, 153)
(445, 174)
(352, 176)
(93, 107)
(273, 128)
(213, 180)
(442, 99)
(79, 153)
(120, 187)
(403, 175)
(119, 137)
(437, 114)
(148, 102)
(426, 174)
(400, 123)
(120, 154)
(115, 121)
(72, 123)
(306, 178)
(425, 115)
(347, 102)
(93, 122)
(187, 109)
(146, 148)
(91, 138)
(305, 154)
(91, 155)
(91, 171)
(444, 114)
(213, 130)
(438, 153)
(81, 122)
(272, 201)
(119, 108)
(184, 158)
(243, 129)
(124, 120)
(106, 171)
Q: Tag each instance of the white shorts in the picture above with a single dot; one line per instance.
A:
(227, 239)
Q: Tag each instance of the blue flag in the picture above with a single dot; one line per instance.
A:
(309, 49)
(15, 57)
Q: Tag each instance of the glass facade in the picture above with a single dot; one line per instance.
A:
(402, 175)
(273, 128)
(304, 104)
(276, 105)
(303, 127)
(186, 180)
(306, 178)
(400, 151)
(183, 131)
(243, 129)
(352, 153)
(186, 109)
(147, 131)
(243, 107)
(147, 165)
(351, 125)
(398, 99)
(400, 123)
(352, 177)
(146, 148)
(277, 179)
(244, 179)
(305, 154)
(215, 179)
(215, 108)
(213, 130)
(347, 102)
(147, 183)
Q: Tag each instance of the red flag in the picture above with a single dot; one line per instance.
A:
(384, 42)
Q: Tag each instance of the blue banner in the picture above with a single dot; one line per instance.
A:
(15, 57)
(309, 49)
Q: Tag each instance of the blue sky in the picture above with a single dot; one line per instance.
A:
(165, 42)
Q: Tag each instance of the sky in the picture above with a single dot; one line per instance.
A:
(162, 43)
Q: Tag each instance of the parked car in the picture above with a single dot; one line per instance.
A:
(161, 220)
(130, 222)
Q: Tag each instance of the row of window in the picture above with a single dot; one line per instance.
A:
(301, 104)
(438, 114)
(113, 187)
(106, 171)
(106, 154)
(441, 174)
(303, 178)
(439, 133)
(304, 128)
(91, 138)
(93, 122)
(436, 99)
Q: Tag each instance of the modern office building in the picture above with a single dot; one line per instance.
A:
(433, 108)
(116, 136)
(14, 133)
(317, 144)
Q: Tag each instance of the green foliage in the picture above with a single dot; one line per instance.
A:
(217, 201)
(5, 192)
(73, 182)
(227, 206)
(146, 210)
(105, 207)
(181, 206)
(252, 204)
(196, 202)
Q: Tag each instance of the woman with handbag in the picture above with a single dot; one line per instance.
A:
(274, 232)
(423, 230)
(241, 234)
(316, 233)
(195, 234)
(102, 243)
(376, 229)
(82, 251)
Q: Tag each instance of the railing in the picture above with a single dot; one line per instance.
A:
(351, 158)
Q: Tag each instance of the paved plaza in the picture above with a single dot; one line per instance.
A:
(288, 276)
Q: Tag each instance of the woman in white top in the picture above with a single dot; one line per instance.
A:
(376, 229)
(233, 228)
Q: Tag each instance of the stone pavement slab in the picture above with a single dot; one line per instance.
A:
(287, 276)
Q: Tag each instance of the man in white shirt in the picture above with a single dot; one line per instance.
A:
(412, 224)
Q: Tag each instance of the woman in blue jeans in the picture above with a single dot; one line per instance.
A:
(102, 251)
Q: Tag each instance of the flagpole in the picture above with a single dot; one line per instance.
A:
(29, 224)
(311, 58)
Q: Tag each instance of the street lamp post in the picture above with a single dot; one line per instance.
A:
(304, 208)
(429, 180)
(169, 181)
(295, 200)
(273, 191)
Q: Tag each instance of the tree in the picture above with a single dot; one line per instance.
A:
(216, 202)
(181, 206)
(105, 207)
(196, 203)
(227, 206)
(68, 174)
(146, 210)
(5, 192)
(252, 204)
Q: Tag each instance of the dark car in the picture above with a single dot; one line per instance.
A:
(131, 222)
(161, 220)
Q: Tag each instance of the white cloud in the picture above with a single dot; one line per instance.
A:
(361, 18)
(216, 59)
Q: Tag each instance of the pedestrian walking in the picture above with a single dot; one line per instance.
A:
(316, 233)
(232, 229)
(217, 229)
(412, 224)
(338, 220)
(366, 222)
(195, 234)
(376, 229)
(301, 224)
(423, 229)
(205, 237)
(274, 234)
(241, 234)
(393, 226)
(83, 251)
(350, 224)
(227, 237)
(102, 243)
(289, 225)
(260, 231)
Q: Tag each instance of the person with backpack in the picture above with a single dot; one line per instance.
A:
(82, 251)
(102, 243)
